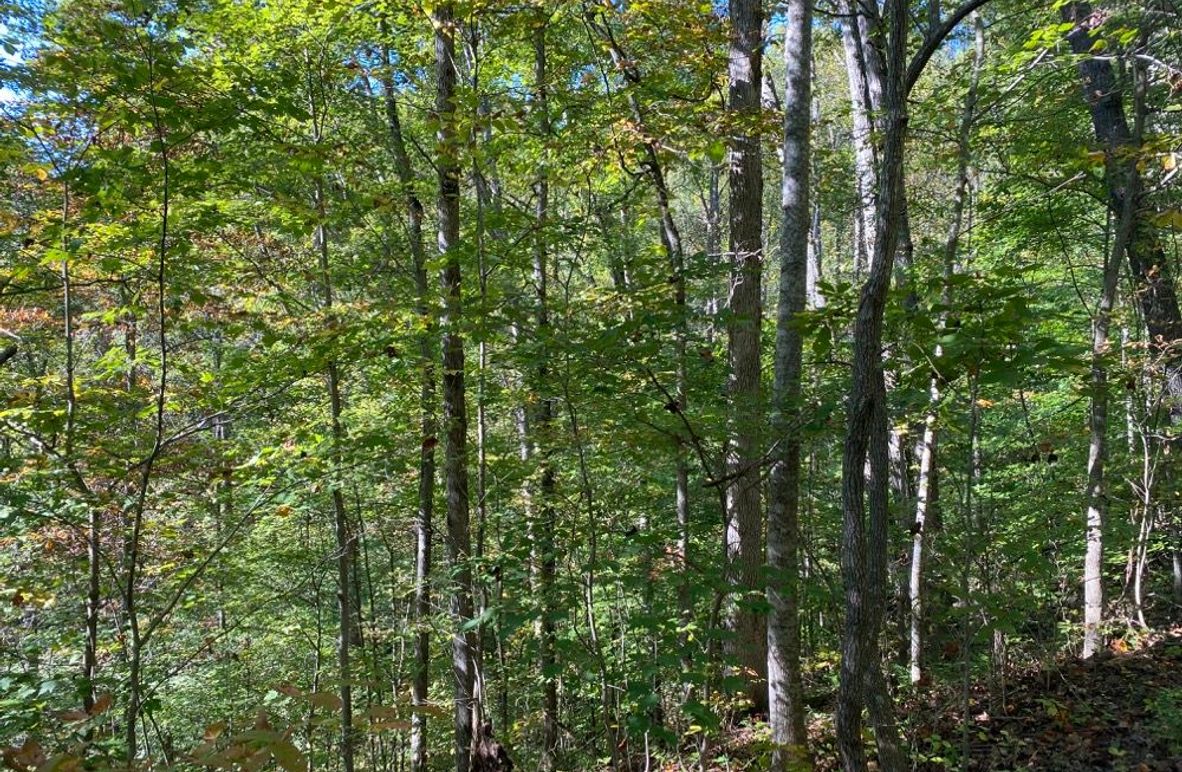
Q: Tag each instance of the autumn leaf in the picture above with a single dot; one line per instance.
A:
(287, 755)
(214, 731)
(101, 705)
(325, 700)
(72, 715)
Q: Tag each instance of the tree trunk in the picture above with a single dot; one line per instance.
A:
(675, 254)
(344, 538)
(427, 426)
(785, 691)
(137, 641)
(94, 525)
(864, 549)
(1096, 495)
(455, 418)
(866, 75)
(541, 426)
(744, 531)
(1176, 566)
(1155, 288)
(1148, 263)
(926, 497)
(813, 296)
(865, 161)
(713, 216)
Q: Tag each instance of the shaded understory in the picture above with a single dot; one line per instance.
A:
(1121, 710)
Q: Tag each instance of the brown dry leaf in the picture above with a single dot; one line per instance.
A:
(72, 715)
(325, 700)
(29, 755)
(101, 705)
(214, 731)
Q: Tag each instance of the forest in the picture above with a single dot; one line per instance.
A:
(617, 385)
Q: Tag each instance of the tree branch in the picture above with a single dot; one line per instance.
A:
(933, 41)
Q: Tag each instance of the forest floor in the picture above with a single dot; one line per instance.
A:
(1120, 710)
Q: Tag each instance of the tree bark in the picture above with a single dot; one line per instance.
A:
(926, 495)
(864, 549)
(1176, 566)
(94, 524)
(344, 539)
(813, 296)
(137, 639)
(455, 418)
(865, 160)
(785, 690)
(675, 254)
(541, 426)
(866, 74)
(1096, 493)
(1155, 289)
(1148, 263)
(744, 526)
(427, 424)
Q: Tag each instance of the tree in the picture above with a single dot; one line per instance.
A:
(544, 407)
(224, 374)
(863, 554)
(455, 416)
(427, 421)
(927, 497)
(744, 533)
(348, 632)
(785, 690)
(865, 541)
(1147, 262)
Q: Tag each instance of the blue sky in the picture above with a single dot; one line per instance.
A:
(7, 59)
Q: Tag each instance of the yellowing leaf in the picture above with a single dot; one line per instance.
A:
(101, 705)
(213, 731)
(382, 712)
(1170, 218)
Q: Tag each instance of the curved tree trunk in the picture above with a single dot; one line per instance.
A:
(864, 542)
(1147, 260)
(866, 76)
(1155, 289)
(675, 254)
